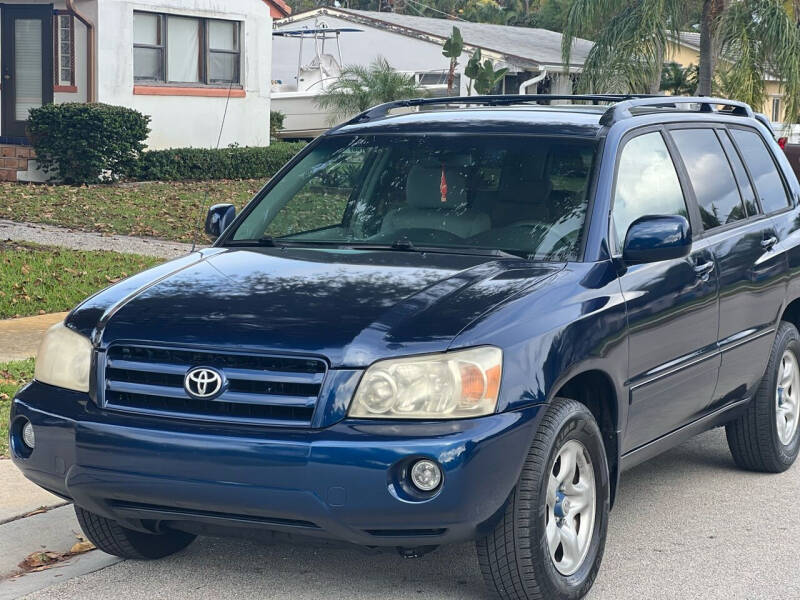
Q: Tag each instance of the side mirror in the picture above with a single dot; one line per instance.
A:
(218, 218)
(656, 238)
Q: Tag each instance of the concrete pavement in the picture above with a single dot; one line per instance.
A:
(18, 496)
(687, 525)
(20, 338)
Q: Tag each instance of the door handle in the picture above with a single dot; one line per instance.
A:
(769, 243)
(704, 270)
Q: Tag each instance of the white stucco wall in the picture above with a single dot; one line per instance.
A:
(180, 121)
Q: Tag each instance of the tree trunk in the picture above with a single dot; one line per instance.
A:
(655, 82)
(705, 73)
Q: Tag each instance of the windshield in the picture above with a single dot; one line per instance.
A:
(479, 193)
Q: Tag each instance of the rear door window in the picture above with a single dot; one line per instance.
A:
(647, 184)
(767, 180)
(748, 195)
(711, 177)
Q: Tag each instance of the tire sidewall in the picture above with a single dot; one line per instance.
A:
(788, 340)
(580, 426)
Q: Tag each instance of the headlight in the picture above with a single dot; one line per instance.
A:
(64, 359)
(451, 385)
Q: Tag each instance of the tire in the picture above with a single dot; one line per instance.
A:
(515, 557)
(110, 537)
(754, 438)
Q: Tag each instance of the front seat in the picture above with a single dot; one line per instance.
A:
(427, 208)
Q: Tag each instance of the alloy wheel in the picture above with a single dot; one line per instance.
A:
(787, 396)
(571, 507)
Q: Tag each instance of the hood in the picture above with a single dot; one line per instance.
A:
(349, 306)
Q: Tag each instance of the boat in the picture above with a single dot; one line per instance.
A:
(296, 99)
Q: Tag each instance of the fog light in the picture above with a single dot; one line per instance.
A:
(28, 437)
(426, 475)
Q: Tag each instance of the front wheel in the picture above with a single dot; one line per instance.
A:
(112, 538)
(549, 542)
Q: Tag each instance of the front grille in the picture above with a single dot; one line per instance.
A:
(261, 388)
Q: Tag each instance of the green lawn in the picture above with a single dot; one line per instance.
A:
(170, 210)
(12, 375)
(41, 279)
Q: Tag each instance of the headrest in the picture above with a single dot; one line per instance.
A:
(424, 187)
(526, 191)
(568, 160)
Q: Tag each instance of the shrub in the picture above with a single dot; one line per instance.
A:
(225, 163)
(87, 143)
(276, 119)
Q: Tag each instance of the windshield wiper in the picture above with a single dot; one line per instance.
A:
(404, 244)
(407, 245)
(267, 240)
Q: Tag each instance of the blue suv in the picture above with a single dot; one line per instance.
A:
(445, 320)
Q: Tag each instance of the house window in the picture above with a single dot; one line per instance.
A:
(185, 50)
(776, 110)
(223, 51)
(64, 51)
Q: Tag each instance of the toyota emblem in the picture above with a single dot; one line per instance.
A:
(203, 382)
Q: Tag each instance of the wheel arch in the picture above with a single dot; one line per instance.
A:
(791, 313)
(595, 389)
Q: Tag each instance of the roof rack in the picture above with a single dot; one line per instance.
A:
(382, 110)
(621, 104)
(622, 110)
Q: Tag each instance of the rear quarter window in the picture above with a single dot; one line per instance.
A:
(766, 179)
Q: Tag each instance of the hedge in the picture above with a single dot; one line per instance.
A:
(225, 163)
(87, 143)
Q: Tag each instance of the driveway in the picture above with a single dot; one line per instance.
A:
(686, 525)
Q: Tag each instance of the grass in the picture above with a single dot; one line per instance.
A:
(12, 376)
(41, 279)
(170, 210)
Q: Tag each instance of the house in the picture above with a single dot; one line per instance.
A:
(411, 44)
(685, 50)
(179, 61)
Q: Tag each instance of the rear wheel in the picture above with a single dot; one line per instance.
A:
(112, 538)
(767, 438)
(550, 541)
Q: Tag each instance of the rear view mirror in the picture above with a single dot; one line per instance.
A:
(656, 238)
(218, 218)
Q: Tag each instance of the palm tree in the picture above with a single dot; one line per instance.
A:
(679, 81)
(630, 42)
(764, 38)
(709, 18)
(361, 87)
(755, 38)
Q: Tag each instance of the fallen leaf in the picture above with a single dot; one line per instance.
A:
(81, 547)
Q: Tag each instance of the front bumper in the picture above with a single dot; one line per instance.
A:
(340, 482)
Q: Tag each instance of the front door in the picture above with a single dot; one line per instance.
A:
(26, 63)
(672, 305)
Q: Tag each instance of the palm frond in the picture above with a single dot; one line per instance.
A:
(629, 49)
(761, 38)
(359, 87)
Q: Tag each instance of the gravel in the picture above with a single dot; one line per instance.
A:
(81, 240)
